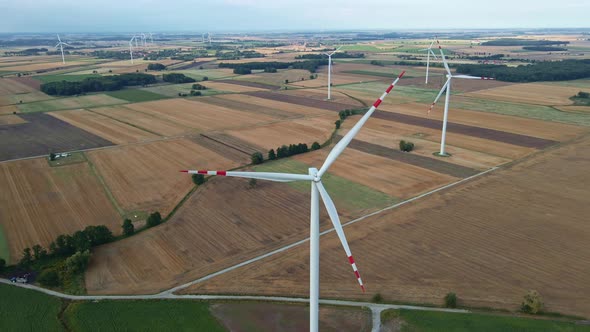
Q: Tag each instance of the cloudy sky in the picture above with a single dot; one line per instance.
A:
(264, 15)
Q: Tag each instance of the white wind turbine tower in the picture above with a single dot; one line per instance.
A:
(209, 36)
(447, 86)
(429, 51)
(203, 37)
(329, 54)
(61, 46)
(143, 38)
(317, 190)
(131, 47)
(151, 38)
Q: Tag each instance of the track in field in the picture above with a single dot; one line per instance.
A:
(432, 164)
(43, 134)
(251, 84)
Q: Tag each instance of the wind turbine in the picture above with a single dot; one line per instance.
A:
(203, 37)
(143, 38)
(429, 51)
(151, 38)
(209, 36)
(131, 47)
(61, 46)
(447, 86)
(329, 54)
(317, 190)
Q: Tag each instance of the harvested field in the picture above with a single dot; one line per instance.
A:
(38, 203)
(392, 177)
(28, 81)
(145, 177)
(199, 116)
(575, 109)
(10, 86)
(278, 79)
(250, 84)
(221, 147)
(42, 134)
(475, 239)
(322, 94)
(107, 128)
(11, 119)
(234, 143)
(298, 100)
(512, 124)
(247, 103)
(27, 97)
(309, 130)
(206, 235)
(44, 66)
(282, 108)
(8, 109)
(142, 120)
(322, 80)
(253, 316)
(531, 93)
(70, 103)
(229, 86)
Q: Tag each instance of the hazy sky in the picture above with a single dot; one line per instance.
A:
(261, 15)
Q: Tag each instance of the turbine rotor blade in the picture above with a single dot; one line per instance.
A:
(58, 38)
(442, 54)
(278, 177)
(337, 150)
(439, 94)
(331, 208)
(473, 77)
(432, 52)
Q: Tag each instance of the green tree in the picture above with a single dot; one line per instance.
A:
(81, 241)
(77, 262)
(272, 155)
(377, 298)
(286, 81)
(52, 156)
(198, 179)
(154, 219)
(338, 123)
(98, 235)
(2, 264)
(406, 146)
(257, 158)
(49, 278)
(451, 300)
(532, 302)
(39, 252)
(205, 78)
(27, 258)
(128, 228)
(315, 146)
(156, 66)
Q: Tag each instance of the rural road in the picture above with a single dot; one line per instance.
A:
(375, 308)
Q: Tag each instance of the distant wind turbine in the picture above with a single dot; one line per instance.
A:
(143, 38)
(61, 46)
(330, 69)
(317, 190)
(447, 86)
(151, 38)
(131, 47)
(429, 51)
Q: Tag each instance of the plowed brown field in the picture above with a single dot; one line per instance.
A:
(38, 203)
(146, 176)
(222, 224)
(489, 240)
(531, 93)
(275, 104)
(107, 128)
(142, 120)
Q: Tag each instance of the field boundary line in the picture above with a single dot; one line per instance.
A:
(104, 186)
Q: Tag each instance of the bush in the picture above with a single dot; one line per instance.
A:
(154, 219)
(156, 66)
(198, 179)
(272, 155)
(39, 252)
(338, 123)
(49, 278)
(377, 298)
(77, 262)
(205, 78)
(286, 81)
(583, 94)
(52, 156)
(406, 146)
(532, 302)
(195, 93)
(315, 146)
(257, 158)
(451, 300)
(128, 228)
(2, 264)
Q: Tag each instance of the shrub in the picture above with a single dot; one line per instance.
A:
(406, 146)
(49, 278)
(272, 155)
(377, 298)
(2, 264)
(286, 81)
(128, 228)
(315, 146)
(205, 78)
(338, 123)
(154, 219)
(27, 257)
(156, 66)
(257, 158)
(195, 93)
(451, 300)
(52, 156)
(198, 179)
(583, 94)
(77, 262)
(532, 302)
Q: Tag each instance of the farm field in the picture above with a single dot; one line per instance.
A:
(145, 177)
(40, 202)
(102, 126)
(70, 103)
(322, 94)
(531, 93)
(211, 74)
(43, 134)
(27, 97)
(251, 316)
(42, 66)
(142, 120)
(206, 235)
(172, 90)
(146, 315)
(11, 119)
(11, 86)
(308, 130)
(278, 78)
(135, 95)
(475, 239)
(224, 86)
(282, 108)
(27, 310)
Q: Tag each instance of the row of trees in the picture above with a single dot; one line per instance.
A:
(545, 48)
(96, 84)
(246, 68)
(156, 66)
(177, 78)
(522, 42)
(540, 71)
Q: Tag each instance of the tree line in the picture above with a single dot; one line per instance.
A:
(539, 71)
(545, 48)
(337, 55)
(96, 84)
(177, 78)
(246, 68)
(522, 42)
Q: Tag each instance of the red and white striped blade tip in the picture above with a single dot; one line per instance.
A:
(184, 171)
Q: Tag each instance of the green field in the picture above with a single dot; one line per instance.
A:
(61, 77)
(546, 113)
(430, 321)
(135, 95)
(148, 315)
(69, 103)
(27, 310)
(343, 191)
